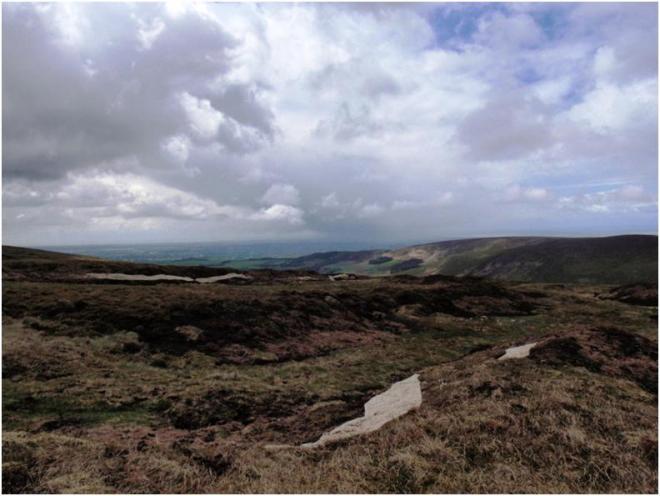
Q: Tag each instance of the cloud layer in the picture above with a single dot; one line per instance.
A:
(180, 122)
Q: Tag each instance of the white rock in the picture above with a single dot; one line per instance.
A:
(137, 277)
(518, 351)
(399, 399)
(226, 277)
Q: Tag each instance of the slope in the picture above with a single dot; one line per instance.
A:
(180, 387)
(608, 260)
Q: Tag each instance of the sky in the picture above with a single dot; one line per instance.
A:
(132, 123)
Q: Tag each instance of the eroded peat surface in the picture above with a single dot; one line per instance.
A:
(176, 386)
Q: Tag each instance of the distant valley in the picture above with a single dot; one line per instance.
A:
(607, 260)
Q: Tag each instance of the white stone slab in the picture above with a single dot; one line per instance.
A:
(517, 351)
(137, 277)
(226, 277)
(399, 399)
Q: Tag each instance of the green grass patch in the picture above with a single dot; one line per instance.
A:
(22, 408)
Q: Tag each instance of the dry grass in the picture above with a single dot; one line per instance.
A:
(484, 426)
(102, 393)
(54, 463)
(562, 431)
(470, 443)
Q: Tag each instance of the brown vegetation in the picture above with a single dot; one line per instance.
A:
(210, 388)
(635, 294)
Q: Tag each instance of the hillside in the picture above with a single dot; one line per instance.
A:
(609, 260)
(164, 382)
(615, 260)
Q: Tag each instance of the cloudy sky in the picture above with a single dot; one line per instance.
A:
(127, 123)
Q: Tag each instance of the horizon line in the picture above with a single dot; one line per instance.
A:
(311, 241)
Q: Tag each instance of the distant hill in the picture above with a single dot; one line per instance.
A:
(606, 260)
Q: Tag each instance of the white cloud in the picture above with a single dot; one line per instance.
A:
(286, 213)
(67, 20)
(178, 147)
(370, 210)
(330, 200)
(149, 32)
(516, 193)
(128, 195)
(446, 198)
(632, 193)
(612, 108)
(552, 91)
(176, 8)
(373, 121)
(281, 193)
(519, 30)
(604, 62)
(204, 120)
(536, 193)
(628, 198)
